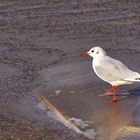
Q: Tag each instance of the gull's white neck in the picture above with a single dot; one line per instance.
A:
(96, 60)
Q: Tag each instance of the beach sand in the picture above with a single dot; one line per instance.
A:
(40, 52)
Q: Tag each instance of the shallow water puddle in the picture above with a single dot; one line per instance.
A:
(78, 125)
(129, 133)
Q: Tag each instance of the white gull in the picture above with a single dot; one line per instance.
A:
(111, 70)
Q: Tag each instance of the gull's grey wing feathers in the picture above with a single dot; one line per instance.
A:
(110, 70)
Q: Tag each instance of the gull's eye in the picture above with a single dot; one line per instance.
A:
(92, 51)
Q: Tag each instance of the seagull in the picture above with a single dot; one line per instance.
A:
(111, 70)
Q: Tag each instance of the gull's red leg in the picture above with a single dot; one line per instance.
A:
(114, 90)
(108, 90)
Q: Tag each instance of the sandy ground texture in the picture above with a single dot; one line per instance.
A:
(40, 46)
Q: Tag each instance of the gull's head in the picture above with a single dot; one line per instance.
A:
(95, 52)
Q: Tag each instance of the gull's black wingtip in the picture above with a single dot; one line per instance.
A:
(137, 79)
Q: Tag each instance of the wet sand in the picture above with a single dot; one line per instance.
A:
(40, 47)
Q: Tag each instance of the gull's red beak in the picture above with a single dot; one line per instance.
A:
(85, 53)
